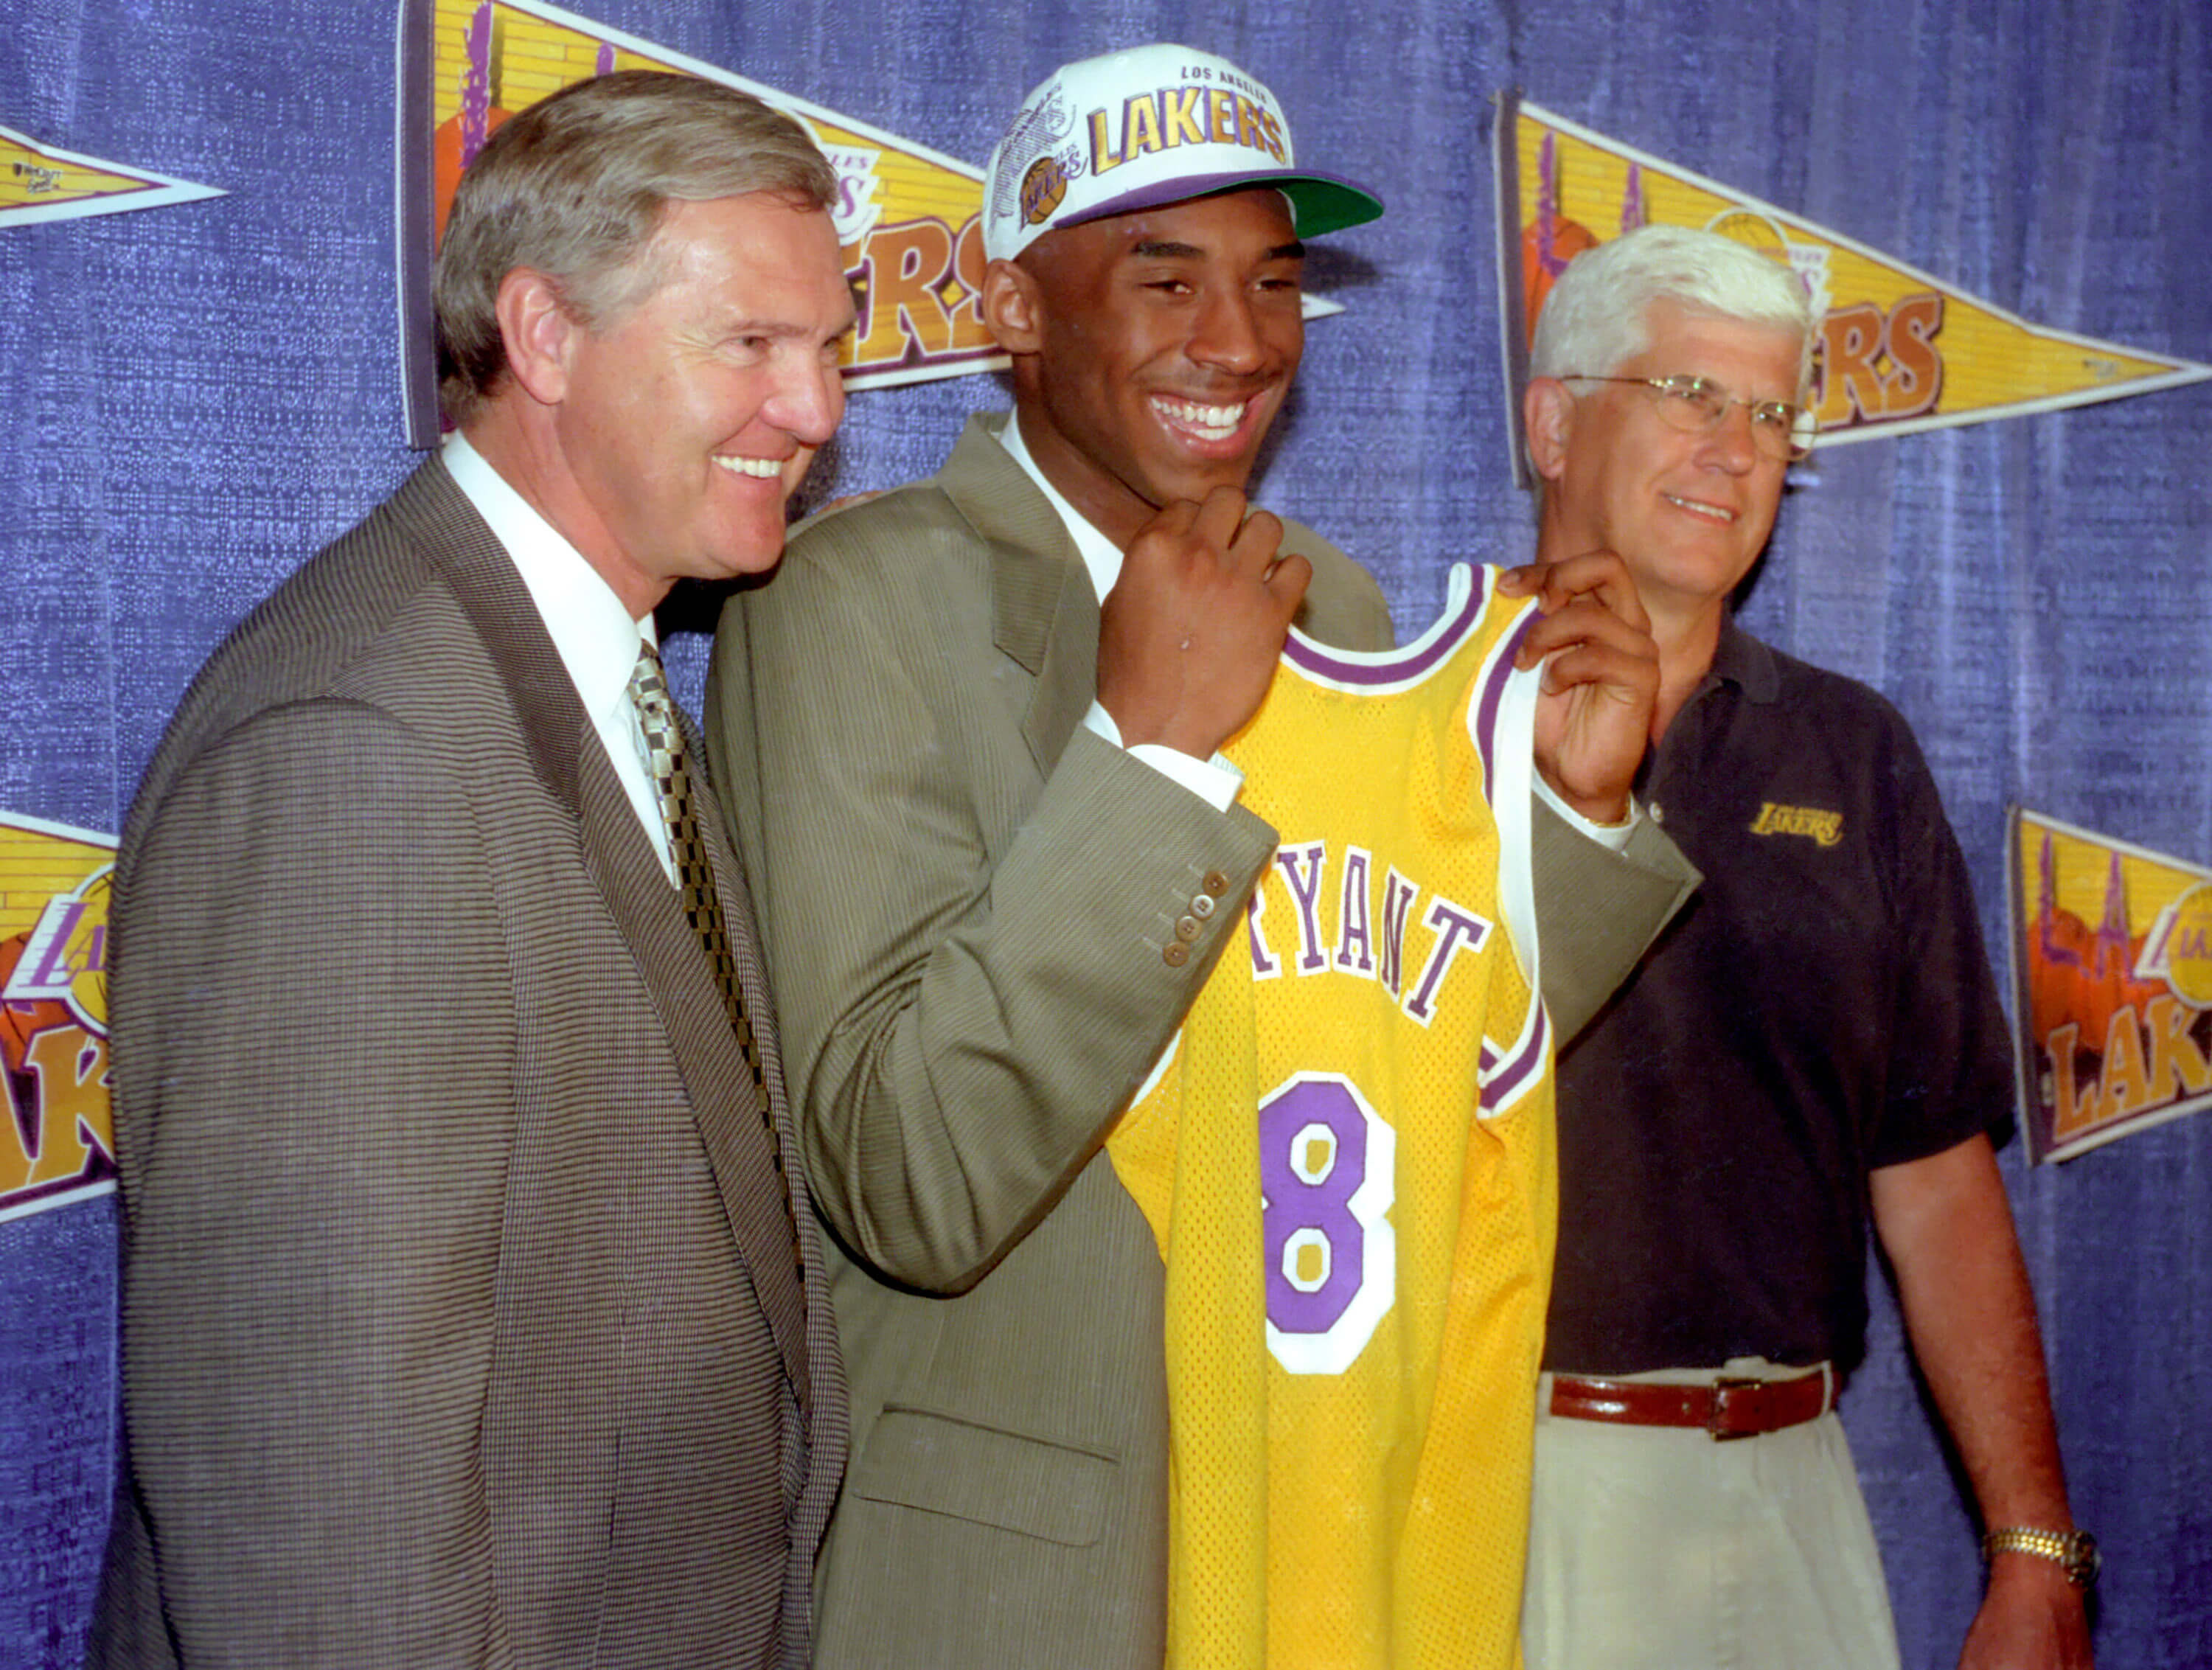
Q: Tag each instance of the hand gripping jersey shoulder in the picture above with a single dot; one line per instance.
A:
(1347, 1155)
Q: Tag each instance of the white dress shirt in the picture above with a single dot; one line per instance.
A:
(597, 640)
(1215, 781)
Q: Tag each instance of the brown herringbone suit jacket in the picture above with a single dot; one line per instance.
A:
(460, 1323)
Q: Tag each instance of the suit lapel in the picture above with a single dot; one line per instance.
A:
(680, 979)
(569, 758)
(484, 579)
(1044, 615)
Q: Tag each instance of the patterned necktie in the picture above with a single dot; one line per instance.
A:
(694, 880)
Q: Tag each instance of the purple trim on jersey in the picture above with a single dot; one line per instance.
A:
(1501, 1084)
(1400, 667)
(1491, 697)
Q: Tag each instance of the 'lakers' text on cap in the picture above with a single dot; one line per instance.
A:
(1151, 125)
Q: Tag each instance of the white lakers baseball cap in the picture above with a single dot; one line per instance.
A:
(1137, 129)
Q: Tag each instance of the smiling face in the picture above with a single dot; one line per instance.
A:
(1689, 514)
(1153, 349)
(682, 426)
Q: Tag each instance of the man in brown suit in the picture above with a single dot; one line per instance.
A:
(966, 729)
(470, 1314)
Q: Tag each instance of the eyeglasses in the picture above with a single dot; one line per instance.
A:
(1696, 406)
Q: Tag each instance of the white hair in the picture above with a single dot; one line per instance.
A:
(1595, 318)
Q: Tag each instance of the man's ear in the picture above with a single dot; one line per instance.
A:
(1013, 308)
(537, 334)
(1548, 411)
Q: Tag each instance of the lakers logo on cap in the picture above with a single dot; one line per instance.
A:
(1039, 127)
(1044, 187)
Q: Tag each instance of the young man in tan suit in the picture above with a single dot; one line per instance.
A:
(965, 731)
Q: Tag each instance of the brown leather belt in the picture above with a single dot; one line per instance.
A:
(1725, 1408)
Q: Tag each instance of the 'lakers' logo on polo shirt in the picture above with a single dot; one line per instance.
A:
(1825, 826)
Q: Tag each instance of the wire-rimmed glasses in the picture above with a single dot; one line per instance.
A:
(1697, 405)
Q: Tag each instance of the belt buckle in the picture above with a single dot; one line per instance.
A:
(1717, 1427)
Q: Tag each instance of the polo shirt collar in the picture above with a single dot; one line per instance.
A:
(1741, 660)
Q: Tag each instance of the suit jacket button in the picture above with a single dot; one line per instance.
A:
(1175, 954)
(1216, 882)
(1187, 928)
(1202, 905)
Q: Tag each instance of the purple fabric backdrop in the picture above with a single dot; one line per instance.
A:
(192, 398)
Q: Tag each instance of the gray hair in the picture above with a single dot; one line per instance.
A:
(1595, 320)
(577, 185)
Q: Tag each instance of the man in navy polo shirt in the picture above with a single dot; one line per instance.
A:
(1816, 1041)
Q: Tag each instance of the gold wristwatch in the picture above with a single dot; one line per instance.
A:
(2076, 1551)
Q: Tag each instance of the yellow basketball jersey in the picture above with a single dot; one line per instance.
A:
(1347, 1155)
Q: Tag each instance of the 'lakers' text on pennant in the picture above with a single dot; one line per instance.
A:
(57, 1143)
(2112, 983)
(1899, 350)
(910, 218)
(41, 183)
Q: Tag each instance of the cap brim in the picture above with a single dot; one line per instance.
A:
(1322, 202)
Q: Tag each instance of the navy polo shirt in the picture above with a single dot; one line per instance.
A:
(1822, 1006)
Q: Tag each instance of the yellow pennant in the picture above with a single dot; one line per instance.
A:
(2112, 983)
(1899, 350)
(39, 183)
(910, 218)
(57, 1140)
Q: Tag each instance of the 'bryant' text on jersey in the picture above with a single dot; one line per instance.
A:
(1365, 947)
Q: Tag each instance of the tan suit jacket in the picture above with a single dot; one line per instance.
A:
(966, 901)
(461, 1324)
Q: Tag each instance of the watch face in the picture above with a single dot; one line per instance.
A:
(2083, 1561)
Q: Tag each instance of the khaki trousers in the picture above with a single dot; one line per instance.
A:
(1657, 1547)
